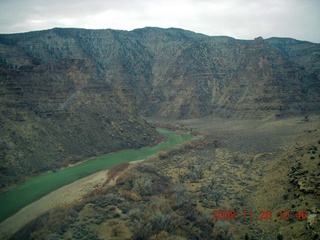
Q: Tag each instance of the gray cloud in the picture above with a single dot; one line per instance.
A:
(245, 19)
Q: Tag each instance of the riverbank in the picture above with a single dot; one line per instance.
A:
(33, 189)
(62, 196)
(64, 187)
(65, 195)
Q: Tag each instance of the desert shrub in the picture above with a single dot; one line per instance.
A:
(146, 220)
(279, 237)
(143, 186)
(197, 168)
(78, 207)
(118, 228)
(195, 226)
(108, 199)
(179, 195)
(285, 196)
(178, 162)
(173, 151)
(139, 223)
(212, 183)
(146, 168)
(130, 196)
(214, 193)
(162, 155)
(217, 196)
(149, 181)
(196, 172)
(82, 231)
(126, 181)
(237, 159)
(183, 176)
(163, 221)
(220, 230)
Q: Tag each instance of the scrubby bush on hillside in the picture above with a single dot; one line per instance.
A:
(179, 195)
(146, 220)
(149, 181)
(238, 159)
(118, 228)
(197, 168)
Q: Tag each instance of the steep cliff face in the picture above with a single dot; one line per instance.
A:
(234, 78)
(53, 115)
(67, 94)
(229, 77)
(181, 74)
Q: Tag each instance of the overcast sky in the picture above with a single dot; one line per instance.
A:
(243, 19)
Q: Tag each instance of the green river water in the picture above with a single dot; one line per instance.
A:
(37, 187)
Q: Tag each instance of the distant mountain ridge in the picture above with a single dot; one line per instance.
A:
(60, 84)
(183, 74)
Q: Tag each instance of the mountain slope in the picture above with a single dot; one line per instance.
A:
(54, 115)
(181, 74)
(68, 94)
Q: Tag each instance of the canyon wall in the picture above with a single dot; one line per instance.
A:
(70, 94)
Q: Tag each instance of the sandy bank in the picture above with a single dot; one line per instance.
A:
(64, 195)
